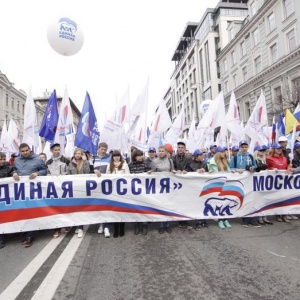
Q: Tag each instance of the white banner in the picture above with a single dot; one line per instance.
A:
(54, 202)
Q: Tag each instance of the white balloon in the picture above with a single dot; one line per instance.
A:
(65, 37)
(204, 106)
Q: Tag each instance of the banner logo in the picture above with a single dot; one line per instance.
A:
(218, 204)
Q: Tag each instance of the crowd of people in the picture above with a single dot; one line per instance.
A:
(215, 159)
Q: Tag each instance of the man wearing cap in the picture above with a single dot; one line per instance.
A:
(198, 164)
(283, 141)
(28, 163)
(101, 164)
(296, 159)
(212, 151)
(151, 157)
(57, 165)
(234, 150)
(240, 162)
(181, 165)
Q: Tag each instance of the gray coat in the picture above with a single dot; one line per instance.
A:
(31, 164)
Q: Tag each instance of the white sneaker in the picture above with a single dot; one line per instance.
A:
(293, 217)
(106, 232)
(100, 229)
(76, 230)
(80, 233)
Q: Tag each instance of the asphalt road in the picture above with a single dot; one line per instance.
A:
(237, 263)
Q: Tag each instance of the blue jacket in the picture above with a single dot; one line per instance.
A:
(32, 164)
(242, 161)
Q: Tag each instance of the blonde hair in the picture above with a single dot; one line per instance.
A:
(221, 162)
(80, 164)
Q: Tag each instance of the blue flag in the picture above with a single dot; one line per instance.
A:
(50, 119)
(280, 126)
(87, 136)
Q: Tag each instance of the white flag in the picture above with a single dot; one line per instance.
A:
(160, 124)
(13, 137)
(257, 120)
(122, 109)
(214, 117)
(233, 120)
(31, 128)
(176, 128)
(4, 136)
(65, 122)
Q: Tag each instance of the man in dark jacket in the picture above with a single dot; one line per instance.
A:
(6, 170)
(181, 165)
(28, 163)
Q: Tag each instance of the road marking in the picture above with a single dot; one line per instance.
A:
(51, 282)
(276, 254)
(15, 288)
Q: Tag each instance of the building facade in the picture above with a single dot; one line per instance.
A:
(12, 105)
(197, 74)
(264, 55)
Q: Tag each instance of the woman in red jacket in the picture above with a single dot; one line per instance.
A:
(277, 161)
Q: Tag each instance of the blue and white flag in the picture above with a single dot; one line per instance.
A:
(50, 119)
(88, 135)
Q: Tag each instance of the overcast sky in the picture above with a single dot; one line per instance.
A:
(125, 42)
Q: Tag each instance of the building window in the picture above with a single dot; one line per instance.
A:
(245, 74)
(226, 87)
(234, 81)
(291, 40)
(233, 58)
(277, 99)
(12, 103)
(288, 6)
(207, 61)
(207, 94)
(271, 23)
(231, 33)
(243, 48)
(225, 65)
(201, 66)
(255, 36)
(18, 106)
(296, 90)
(253, 8)
(6, 100)
(23, 108)
(247, 110)
(257, 64)
(274, 53)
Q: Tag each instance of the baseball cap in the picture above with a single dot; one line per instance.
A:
(264, 147)
(152, 149)
(243, 142)
(197, 152)
(54, 144)
(296, 146)
(220, 149)
(257, 148)
(235, 148)
(211, 146)
(276, 146)
(282, 139)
